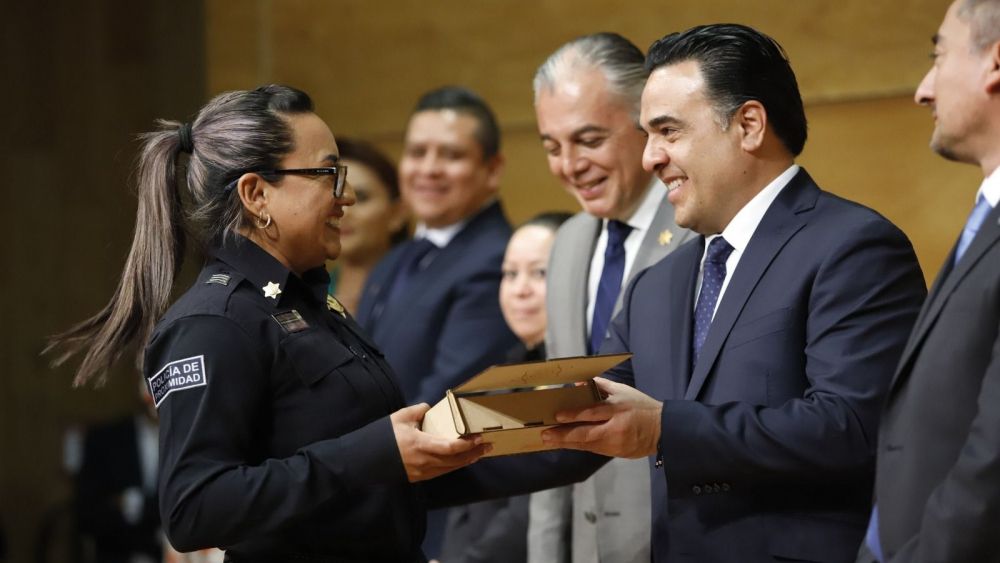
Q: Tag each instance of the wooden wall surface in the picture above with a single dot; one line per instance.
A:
(88, 76)
(81, 80)
(366, 63)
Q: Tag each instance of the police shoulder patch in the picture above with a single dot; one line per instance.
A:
(177, 376)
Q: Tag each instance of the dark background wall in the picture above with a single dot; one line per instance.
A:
(80, 80)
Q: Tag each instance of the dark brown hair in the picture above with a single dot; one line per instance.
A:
(234, 133)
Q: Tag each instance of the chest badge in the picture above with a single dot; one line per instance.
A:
(272, 290)
(335, 306)
(665, 238)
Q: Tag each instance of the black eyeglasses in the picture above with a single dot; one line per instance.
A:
(339, 173)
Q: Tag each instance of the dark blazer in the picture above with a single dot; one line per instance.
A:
(768, 443)
(445, 325)
(111, 465)
(938, 472)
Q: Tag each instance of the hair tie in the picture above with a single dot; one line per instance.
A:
(186, 142)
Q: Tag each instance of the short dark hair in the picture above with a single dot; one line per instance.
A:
(739, 64)
(468, 102)
(366, 153)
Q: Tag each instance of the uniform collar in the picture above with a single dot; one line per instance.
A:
(268, 275)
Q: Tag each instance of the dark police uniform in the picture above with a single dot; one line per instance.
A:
(275, 438)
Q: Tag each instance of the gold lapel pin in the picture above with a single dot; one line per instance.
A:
(272, 290)
(335, 306)
(665, 238)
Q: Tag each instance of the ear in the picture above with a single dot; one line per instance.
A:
(494, 170)
(251, 189)
(993, 68)
(751, 119)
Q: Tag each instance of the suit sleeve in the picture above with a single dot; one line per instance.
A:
(474, 336)
(550, 522)
(960, 519)
(214, 489)
(861, 301)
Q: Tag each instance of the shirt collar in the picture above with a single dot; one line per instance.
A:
(261, 269)
(642, 217)
(739, 231)
(990, 188)
(441, 236)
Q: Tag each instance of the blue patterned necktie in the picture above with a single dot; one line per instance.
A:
(610, 284)
(976, 218)
(713, 274)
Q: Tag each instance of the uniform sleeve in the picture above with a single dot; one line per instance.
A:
(210, 407)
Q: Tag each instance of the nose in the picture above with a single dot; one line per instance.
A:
(571, 162)
(430, 164)
(349, 197)
(924, 95)
(521, 285)
(654, 156)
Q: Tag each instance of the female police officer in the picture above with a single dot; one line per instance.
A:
(282, 432)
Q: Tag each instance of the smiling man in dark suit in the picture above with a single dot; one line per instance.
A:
(761, 349)
(938, 473)
(431, 305)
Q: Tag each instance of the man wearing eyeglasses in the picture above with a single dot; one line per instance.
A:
(431, 304)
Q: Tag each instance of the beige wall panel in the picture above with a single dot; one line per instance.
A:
(876, 152)
(366, 62)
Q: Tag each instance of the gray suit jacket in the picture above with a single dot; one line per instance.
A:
(937, 481)
(607, 517)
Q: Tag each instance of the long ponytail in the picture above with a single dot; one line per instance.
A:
(143, 293)
(236, 131)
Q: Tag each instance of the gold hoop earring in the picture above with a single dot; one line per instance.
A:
(260, 221)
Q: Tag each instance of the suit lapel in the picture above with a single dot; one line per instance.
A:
(576, 284)
(680, 315)
(945, 284)
(662, 238)
(779, 224)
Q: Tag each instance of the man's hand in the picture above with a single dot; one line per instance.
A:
(426, 456)
(627, 424)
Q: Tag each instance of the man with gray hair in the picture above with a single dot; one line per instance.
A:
(937, 481)
(587, 101)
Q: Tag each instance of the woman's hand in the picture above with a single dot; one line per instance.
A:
(426, 456)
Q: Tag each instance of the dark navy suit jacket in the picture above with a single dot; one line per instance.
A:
(768, 443)
(938, 480)
(445, 325)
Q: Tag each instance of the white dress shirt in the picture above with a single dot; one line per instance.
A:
(740, 230)
(640, 221)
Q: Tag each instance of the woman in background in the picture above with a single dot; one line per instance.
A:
(496, 531)
(375, 223)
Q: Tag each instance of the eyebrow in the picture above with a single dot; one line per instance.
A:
(332, 158)
(663, 120)
(578, 132)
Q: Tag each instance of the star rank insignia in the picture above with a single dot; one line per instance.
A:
(665, 238)
(335, 306)
(272, 290)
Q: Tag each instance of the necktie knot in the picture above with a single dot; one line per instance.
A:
(976, 218)
(718, 251)
(610, 283)
(618, 231)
